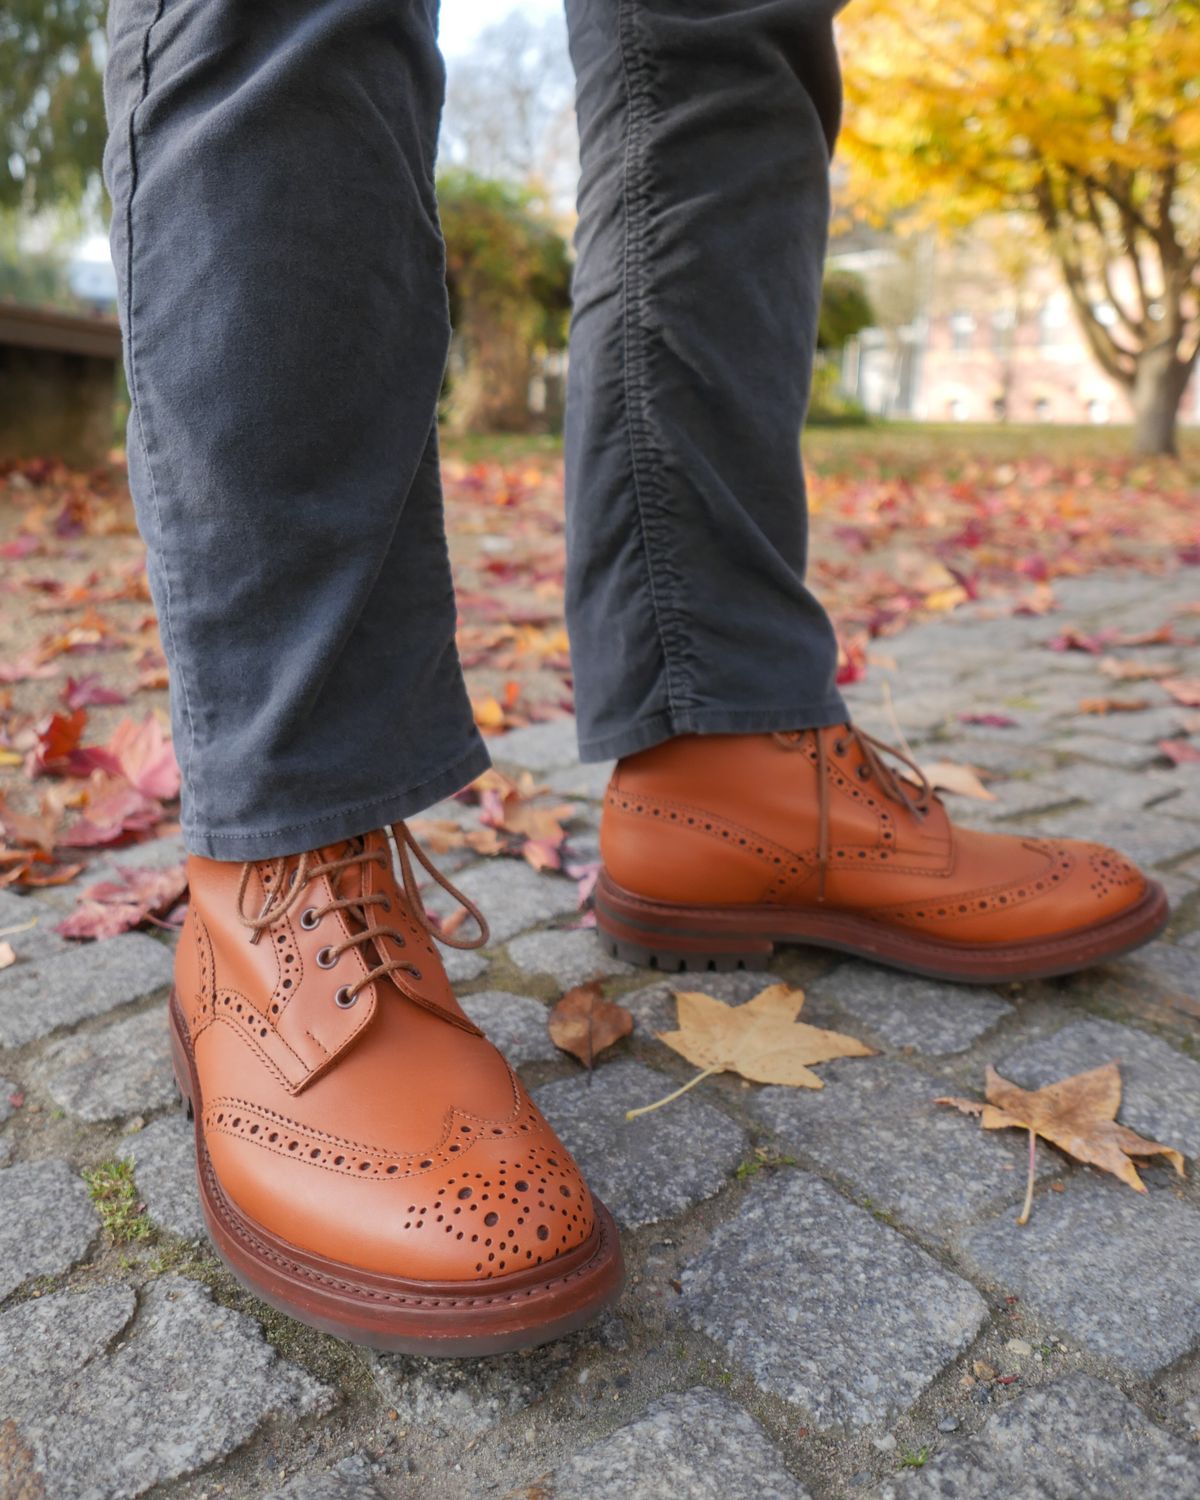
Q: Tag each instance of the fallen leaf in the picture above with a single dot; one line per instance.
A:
(7, 956)
(114, 906)
(1179, 752)
(988, 721)
(760, 1040)
(1113, 705)
(146, 757)
(1077, 1114)
(948, 776)
(114, 811)
(1185, 690)
(88, 692)
(1134, 671)
(584, 1023)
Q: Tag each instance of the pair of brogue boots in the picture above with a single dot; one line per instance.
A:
(367, 1160)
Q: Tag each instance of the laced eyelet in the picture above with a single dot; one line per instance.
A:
(387, 903)
(326, 958)
(864, 773)
(839, 747)
(413, 970)
(343, 999)
(309, 918)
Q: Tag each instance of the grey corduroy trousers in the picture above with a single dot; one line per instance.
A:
(282, 297)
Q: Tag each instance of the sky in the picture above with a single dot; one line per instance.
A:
(463, 20)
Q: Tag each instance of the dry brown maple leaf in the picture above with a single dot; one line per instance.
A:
(760, 1040)
(1077, 1114)
(584, 1023)
(949, 776)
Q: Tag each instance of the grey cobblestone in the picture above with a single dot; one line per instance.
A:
(825, 1306)
(697, 1445)
(538, 747)
(47, 1224)
(1073, 1439)
(1160, 1087)
(571, 956)
(1144, 837)
(513, 896)
(651, 1168)
(876, 1125)
(1164, 966)
(189, 1384)
(123, 1069)
(515, 1023)
(77, 982)
(164, 1168)
(1092, 1263)
(903, 1011)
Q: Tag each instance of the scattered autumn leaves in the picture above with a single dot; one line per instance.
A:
(763, 1041)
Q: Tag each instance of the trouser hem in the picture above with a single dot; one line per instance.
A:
(667, 725)
(344, 823)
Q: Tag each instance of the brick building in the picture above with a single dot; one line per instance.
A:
(982, 330)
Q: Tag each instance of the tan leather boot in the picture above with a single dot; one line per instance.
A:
(718, 847)
(367, 1161)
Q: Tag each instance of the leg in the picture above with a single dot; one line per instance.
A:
(271, 168)
(705, 134)
(283, 301)
(706, 127)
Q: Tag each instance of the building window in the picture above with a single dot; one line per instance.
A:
(1004, 322)
(1041, 409)
(962, 329)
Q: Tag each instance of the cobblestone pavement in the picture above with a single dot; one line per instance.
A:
(827, 1296)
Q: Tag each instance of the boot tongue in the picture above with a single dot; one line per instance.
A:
(350, 881)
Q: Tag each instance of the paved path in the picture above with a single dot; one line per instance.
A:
(827, 1295)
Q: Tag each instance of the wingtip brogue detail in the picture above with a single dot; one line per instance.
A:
(715, 848)
(367, 1160)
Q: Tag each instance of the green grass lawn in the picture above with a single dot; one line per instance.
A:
(897, 448)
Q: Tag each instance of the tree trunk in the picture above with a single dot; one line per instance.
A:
(1158, 388)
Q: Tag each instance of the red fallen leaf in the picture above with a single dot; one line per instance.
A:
(1075, 640)
(114, 906)
(989, 721)
(1179, 752)
(22, 546)
(89, 692)
(17, 1098)
(1185, 690)
(115, 810)
(145, 757)
(58, 737)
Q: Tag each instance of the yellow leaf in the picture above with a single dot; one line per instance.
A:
(760, 1040)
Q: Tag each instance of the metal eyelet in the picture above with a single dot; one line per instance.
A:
(839, 747)
(343, 999)
(864, 773)
(387, 903)
(413, 970)
(326, 958)
(309, 918)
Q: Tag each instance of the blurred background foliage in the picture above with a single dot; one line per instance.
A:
(1065, 130)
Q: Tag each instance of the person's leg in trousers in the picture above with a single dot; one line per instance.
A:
(745, 809)
(366, 1159)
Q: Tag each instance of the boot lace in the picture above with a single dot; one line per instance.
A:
(912, 789)
(285, 887)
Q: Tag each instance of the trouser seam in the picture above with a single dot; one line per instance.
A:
(177, 676)
(635, 303)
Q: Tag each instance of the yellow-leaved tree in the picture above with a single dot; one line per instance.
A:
(1083, 116)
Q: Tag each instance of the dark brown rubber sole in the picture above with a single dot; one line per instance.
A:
(679, 939)
(437, 1319)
